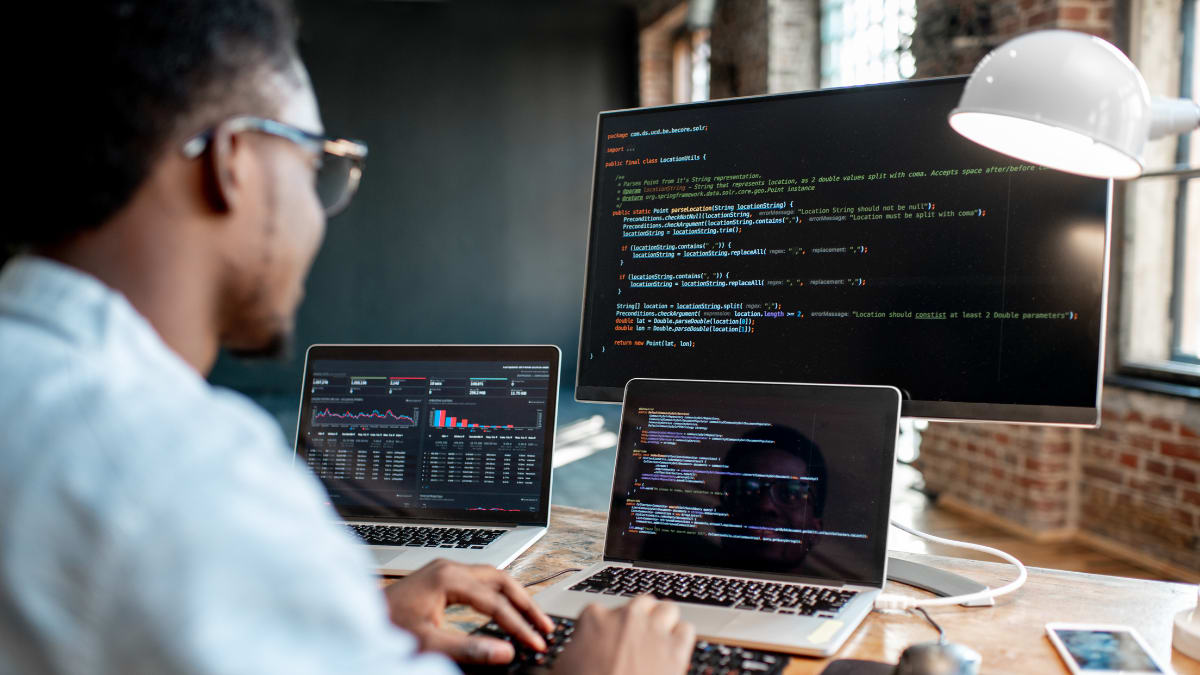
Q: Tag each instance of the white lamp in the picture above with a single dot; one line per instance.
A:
(1068, 101)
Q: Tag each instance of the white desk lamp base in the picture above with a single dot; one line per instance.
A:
(1187, 632)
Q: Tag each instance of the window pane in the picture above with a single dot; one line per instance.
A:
(1188, 343)
(1189, 327)
(701, 71)
(865, 41)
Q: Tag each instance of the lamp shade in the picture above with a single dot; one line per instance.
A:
(1061, 99)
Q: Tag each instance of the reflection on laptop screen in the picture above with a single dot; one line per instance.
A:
(785, 479)
(408, 438)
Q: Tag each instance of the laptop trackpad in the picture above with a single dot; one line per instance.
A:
(383, 555)
(707, 620)
(781, 628)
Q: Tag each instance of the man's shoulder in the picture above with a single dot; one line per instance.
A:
(78, 417)
(102, 462)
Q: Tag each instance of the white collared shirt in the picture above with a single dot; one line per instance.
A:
(151, 523)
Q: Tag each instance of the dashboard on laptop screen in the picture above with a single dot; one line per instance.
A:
(790, 480)
(430, 437)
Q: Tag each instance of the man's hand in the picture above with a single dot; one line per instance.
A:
(417, 601)
(644, 636)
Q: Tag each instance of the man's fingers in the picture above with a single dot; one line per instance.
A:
(593, 613)
(521, 599)
(495, 604)
(683, 635)
(641, 604)
(665, 615)
(508, 593)
(511, 620)
(467, 648)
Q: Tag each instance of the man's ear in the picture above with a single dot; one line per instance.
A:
(225, 169)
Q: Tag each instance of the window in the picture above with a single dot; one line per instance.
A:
(866, 41)
(673, 54)
(1159, 320)
(690, 57)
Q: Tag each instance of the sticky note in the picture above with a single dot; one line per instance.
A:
(825, 632)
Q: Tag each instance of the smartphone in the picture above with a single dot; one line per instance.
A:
(1093, 649)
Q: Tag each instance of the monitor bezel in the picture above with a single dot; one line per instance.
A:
(385, 352)
(937, 411)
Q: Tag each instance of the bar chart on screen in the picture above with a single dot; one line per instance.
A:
(443, 419)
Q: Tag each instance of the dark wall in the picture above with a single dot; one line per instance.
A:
(471, 222)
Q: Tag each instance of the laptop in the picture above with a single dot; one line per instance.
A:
(433, 451)
(760, 509)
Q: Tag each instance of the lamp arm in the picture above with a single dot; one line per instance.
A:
(1171, 116)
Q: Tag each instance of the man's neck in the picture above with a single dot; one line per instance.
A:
(160, 274)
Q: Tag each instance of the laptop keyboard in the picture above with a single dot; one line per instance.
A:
(748, 594)
(707, 658)
(427, 537)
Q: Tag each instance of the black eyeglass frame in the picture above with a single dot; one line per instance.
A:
(344, 148)
(771, 486)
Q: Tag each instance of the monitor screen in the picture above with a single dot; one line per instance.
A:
(844, 236)
(431, 433)
(778, 479)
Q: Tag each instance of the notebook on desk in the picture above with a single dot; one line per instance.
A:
(762, 509)
(433, 451)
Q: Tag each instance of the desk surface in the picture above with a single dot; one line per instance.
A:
(1010, 636)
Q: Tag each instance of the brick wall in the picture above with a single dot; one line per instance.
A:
(1132, 485)
(952, 35)
(656, 41)
(1020, 473)
(1088, 16)
(1140, 482)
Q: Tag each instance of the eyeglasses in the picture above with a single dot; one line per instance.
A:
(782, 491)
(339, 160)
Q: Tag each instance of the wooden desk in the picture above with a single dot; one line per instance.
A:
(1010, 636)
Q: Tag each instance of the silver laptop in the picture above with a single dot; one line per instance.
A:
(433, 451)
(761, 509)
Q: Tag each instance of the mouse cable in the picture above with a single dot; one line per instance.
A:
(893, 601)
(556, 575)
(941, 633)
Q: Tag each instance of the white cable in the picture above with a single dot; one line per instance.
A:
(893, 601)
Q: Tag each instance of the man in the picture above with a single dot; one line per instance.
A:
(148, 522)
(777, 480)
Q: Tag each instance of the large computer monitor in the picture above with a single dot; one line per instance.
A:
(844, 236)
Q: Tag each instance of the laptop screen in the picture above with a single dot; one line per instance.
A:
(781, 479)
(460, 433)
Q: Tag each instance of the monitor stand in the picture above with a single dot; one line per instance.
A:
(938, 582)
